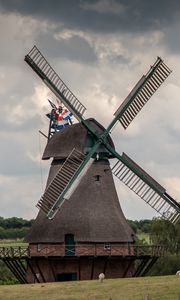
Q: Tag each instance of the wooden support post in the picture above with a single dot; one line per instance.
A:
(105, 265)
(79, 268)
(142, 265)
(128, 267)
(19, 269)
(149, 266)
(92, 268)
(52, 269)
(39, 269)
(14, 270)
(22, 265)
(32, 270)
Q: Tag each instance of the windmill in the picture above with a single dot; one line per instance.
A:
(78, 163)
(80, 230)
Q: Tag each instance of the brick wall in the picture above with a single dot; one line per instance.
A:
(81, 249)
(89, 260)
(86, 268)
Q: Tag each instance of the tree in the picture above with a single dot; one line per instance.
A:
(165, 233)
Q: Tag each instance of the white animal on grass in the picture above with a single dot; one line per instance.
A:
(101, 277)
(178, 273)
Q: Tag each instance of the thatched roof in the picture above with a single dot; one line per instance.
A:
(74, 136)
(92, 214)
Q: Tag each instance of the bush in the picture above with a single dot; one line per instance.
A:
(13, 233)
(167, 265)
(6, 276)
(14, 223)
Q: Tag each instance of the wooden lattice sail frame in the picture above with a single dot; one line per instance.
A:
(135, 177)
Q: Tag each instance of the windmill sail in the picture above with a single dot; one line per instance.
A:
(40, 65)
(142, 92)
(77, 164)
(64, 183)
(146, 188)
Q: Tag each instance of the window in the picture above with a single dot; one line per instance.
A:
(107, 246)
(39, 247)
(97, 178)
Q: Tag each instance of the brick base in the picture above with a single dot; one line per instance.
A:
(84, 268)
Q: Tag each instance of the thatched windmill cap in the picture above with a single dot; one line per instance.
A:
(74, 136)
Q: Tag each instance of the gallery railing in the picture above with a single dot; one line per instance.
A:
(14, 252)
(82, 250)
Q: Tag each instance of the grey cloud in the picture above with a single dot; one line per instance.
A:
(26, 126)
(16, 163)
(171, 39)
(75, 48)
(104, 6)
(118, 58)
(138, 16)
(18, 200)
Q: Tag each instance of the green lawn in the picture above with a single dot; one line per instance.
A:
(149, 288)
(12, 243)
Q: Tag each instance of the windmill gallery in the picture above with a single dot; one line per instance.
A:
(80, 230)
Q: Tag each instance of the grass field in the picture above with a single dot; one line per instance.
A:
(149, 288)
(12, 243)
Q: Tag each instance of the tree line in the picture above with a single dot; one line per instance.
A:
(14, 228)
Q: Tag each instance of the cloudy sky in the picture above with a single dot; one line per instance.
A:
(100, 48)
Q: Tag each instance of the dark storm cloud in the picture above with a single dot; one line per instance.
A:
(99, 15)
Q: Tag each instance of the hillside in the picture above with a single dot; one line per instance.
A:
(149, 288)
